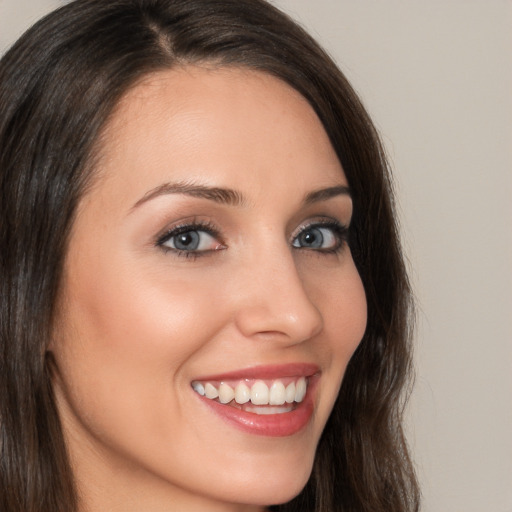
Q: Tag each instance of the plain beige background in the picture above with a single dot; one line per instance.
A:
(436, 75)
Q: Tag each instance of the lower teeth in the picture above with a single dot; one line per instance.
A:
(268, 410)
(262, 409)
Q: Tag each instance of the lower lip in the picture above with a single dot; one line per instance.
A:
(271, 425)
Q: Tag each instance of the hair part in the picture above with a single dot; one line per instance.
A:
(59, 85)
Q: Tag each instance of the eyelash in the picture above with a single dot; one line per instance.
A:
(206, 227)
(340, 232)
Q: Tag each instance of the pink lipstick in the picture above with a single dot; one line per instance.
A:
(273, 400)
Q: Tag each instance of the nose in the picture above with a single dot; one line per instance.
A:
(273, 302)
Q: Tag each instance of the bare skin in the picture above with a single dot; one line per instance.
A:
(140, 319)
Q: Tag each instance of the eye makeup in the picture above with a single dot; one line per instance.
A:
(326, 236)
(198, 238)
(187, 240)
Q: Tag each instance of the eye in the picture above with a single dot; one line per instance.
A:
(191, 239)
(322, 237)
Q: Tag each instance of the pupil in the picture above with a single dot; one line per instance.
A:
(187, 241)
(312, 238)
(309, 238)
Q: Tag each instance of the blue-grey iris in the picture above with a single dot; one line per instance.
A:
(312, 238)
(188, 241)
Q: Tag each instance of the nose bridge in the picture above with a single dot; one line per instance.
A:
(275, 300)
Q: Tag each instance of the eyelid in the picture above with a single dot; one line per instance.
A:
(184, 227)
(341, 231)
(320, 222)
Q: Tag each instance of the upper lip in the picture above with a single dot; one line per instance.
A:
(266, 372)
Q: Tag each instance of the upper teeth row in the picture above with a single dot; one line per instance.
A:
(259, 393)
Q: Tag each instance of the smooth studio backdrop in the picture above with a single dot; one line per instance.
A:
(436, 75)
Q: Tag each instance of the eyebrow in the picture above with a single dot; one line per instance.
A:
(229, 196)
(327, 193)
(219, 195)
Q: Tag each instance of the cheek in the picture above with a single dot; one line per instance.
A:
(348, 313)
(122, 349)
(341, 299)
(139, 313)
(124, 338)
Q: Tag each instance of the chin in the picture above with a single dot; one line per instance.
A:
(274, 485)
(285, 491)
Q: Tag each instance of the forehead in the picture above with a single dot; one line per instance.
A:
(221, 126)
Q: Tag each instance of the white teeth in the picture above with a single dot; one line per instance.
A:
(269, 410)
(259, 393)
(226, 393)
(277, 394)
(242, 393)
(198, 388)
(210, 391)
(300, 390)
(290, 393)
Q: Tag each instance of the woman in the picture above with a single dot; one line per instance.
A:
(204, 301)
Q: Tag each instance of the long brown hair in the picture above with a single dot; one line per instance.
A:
(58, 86)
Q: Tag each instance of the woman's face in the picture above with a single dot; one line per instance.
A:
(208, 257)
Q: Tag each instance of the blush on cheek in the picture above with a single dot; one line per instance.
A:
(347, 311)
(137, 324)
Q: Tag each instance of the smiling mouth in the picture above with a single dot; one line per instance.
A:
(274, 400)
(263, 397)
